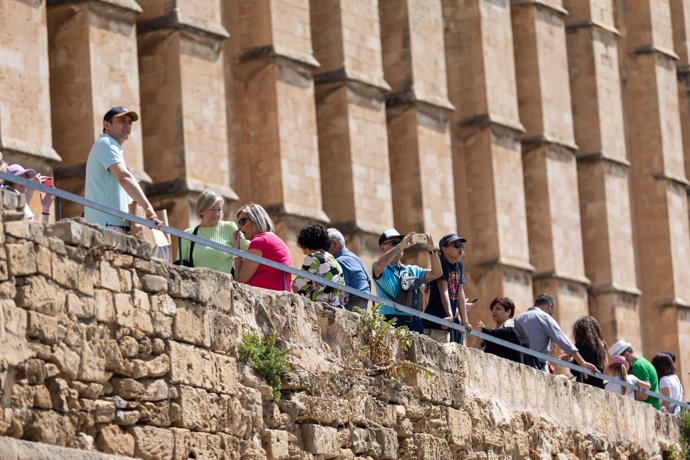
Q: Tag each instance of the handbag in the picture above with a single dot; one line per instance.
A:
(181, 260)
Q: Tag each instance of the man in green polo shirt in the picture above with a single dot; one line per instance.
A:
(640, 368)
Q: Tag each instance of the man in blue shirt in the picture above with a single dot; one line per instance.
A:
(355, 271)
(108, 181)
(388, 270)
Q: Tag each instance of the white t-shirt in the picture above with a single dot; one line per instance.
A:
(629, 392)
(673, 383)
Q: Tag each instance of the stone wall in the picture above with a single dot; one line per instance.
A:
(106, 350)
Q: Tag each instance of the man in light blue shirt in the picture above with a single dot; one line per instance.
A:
(355, 271)
(108, 181)
(388, 271)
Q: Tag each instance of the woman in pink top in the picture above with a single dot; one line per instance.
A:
(256, 225)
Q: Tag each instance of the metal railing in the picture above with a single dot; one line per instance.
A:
(318, 279)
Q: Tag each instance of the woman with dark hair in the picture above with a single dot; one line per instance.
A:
(256, 225)
(502, 312)
(314, 241)
(669, 383)
(589, 341)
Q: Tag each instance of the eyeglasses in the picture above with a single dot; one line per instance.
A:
(242, 221)
(459, 245)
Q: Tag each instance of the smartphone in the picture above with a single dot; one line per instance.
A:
(473, 300)
(47, 181)
(419, 238)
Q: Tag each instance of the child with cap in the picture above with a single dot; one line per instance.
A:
(618, 366)
(31, 174)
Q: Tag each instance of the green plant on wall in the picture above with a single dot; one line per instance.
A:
(266, 358)
(383, 342)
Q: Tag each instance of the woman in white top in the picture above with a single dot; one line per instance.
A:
(618, 367)
(669, 383)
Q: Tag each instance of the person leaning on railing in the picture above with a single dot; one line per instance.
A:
(209, 208)
(46, 198)
(256, 225)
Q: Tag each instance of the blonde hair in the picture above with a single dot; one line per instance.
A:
(259, 217)
(619, 371)
(207, 199)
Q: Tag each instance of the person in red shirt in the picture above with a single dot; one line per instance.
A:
(254, 222)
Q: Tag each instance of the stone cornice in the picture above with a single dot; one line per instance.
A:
(654, 49)
(428, 104)
(674, 302)
(593, 24)
(540, 4)
(290, 210)
(79, 171)
(176, 20)
(505, 262)
(352, 79)
(569, 278)
(683, 71)
(540, 140)
(677, 180)
(601, 156)
(15, 145)
(180, 186)
(603, 289)
(484, 120)
(271, 52)
(128, 6)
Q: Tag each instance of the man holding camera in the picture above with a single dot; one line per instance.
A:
(108, 181)
(388, 272)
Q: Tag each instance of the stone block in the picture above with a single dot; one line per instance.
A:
(191, 366)
(443, 388)
(42, 398)
(66, 360)
(80, 308)
(156, 367)
(21, 259)
(109, 277)
(203, 411)
(154, 283)
(226, 332)
(191, 324)
(430, 447)
(87, 278)
(275, 443)
(66, 272)
(320, 440)
(42, 327)
(113, 440)
(25, 230)
(94, 351)
(128, 315)
(74, 233)
(41, 294)
(104, 306)
(152, 443)
(144, 390)
(459, 427)
(44, 260)
(387, 440)
(51, 428)
(164, 304)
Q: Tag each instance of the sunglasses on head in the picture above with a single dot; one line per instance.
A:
(243, 221)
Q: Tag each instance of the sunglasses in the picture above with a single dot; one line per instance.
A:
(459, 245)
(394, 242)
(243, 221)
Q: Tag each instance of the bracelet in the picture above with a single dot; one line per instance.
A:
(45, 213)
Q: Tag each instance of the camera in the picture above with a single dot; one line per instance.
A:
(419, 238)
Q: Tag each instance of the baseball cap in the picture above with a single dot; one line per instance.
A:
(618, 360)
(619, 347)
(119, 111)
(19, 170)
(388, 234)
(450, 238)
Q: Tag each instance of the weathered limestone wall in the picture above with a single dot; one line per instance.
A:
(105, 350)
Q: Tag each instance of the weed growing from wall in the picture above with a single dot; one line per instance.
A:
(266, 358)
(685, 435)
(383, 343)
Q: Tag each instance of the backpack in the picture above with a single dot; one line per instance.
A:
(410, 292)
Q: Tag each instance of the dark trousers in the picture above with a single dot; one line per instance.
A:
(412, 322)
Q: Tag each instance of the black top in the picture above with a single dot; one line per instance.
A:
(513, 334)
(588, 354)
(453, 274)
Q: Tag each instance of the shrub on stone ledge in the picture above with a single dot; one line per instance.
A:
(266, 358)
(383, 342)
